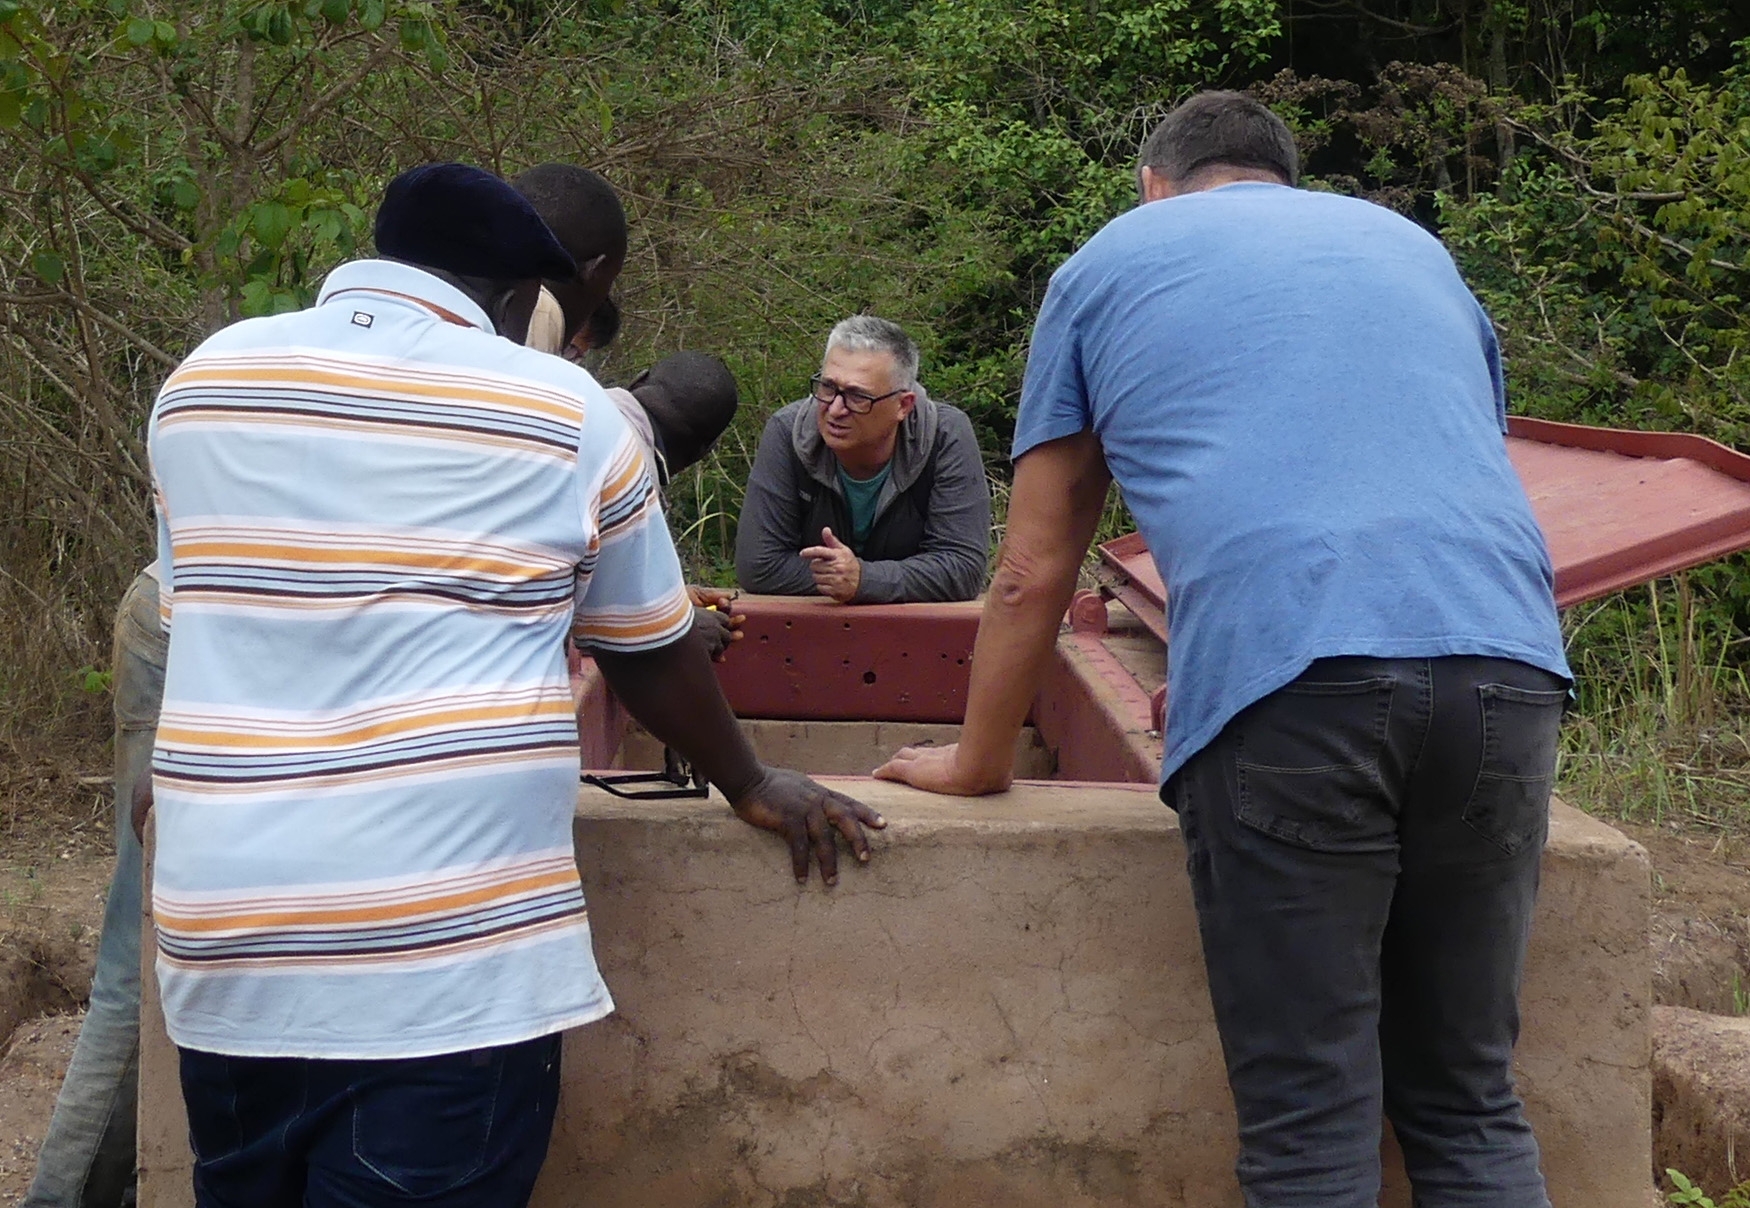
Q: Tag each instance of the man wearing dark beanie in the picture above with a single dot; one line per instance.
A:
(377, 521)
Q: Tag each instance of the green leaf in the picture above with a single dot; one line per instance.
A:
(93, 681)
(414, 33)
(137, 31)
(372, 14)
(49, 267)
(185, 194)
(97, 155)
(279, 27)
(336, 11)
(271, 223)
(257, 297)
(164, 35)
(11, 106)
(327, 225)
(8, 10)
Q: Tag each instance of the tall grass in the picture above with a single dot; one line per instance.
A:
(1658, 731)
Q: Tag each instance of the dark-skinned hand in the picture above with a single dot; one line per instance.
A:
(713, 620)
(808, 816)
(141, 805)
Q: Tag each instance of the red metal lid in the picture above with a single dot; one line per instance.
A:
(1617, 507)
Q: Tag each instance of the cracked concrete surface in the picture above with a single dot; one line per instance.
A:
(1007, 1006)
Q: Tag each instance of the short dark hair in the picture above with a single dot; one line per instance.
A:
(579, 207)
(1228, 129)
(691, 397)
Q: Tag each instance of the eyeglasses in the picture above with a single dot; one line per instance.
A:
(857, 402)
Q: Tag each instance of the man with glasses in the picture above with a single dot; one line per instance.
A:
(867, 491)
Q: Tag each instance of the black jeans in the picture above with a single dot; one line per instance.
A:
(463, 1130)
(1363, 848)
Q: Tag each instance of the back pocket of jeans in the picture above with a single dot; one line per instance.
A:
(1307, 759)
(425, 1129)
(1509, 805)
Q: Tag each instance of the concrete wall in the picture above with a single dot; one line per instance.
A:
(1007, 1007)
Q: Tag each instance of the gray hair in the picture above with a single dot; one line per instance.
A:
(866, 333)
(1225, 129)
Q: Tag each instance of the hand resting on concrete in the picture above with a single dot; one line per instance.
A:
(673, 692)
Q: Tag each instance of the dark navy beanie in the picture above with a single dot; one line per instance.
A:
(467, 221)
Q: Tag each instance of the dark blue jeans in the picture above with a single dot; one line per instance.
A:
(463, 1130)
(1363, 848)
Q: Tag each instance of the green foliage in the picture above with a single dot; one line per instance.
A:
(1032, 113)
(1686, 1192)
(1657, 736)
(1616, 257)
(165, 167)
(93, 681)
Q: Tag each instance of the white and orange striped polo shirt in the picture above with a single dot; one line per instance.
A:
(377, 521)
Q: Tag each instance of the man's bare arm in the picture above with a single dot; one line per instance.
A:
(673, 692)
(1058, 495)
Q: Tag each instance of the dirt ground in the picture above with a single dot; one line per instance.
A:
(1701, 918)
(53, 880)
(30, 1072)
(56, 849)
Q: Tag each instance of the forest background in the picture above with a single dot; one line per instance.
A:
(166, 168)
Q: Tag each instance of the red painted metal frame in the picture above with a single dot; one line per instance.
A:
(813, 659)
(1617, 508)
(1092, 712)
(1138, 587)
(1620, 508)
(800, 661)
(601, 720)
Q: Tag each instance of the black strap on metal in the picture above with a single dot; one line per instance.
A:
(677, 776)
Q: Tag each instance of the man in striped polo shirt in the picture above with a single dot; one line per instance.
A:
(377, 520)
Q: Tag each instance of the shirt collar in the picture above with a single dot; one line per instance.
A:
(404, 285)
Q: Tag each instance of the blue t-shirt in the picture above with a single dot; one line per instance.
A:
(1303, 406)
(862, 500)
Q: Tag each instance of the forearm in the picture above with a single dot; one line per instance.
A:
(955, 575)
(771, 570)
(1059, 491)
(673, 692)
(1016, 638)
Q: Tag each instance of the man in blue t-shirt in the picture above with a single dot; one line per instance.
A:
(1303, 406)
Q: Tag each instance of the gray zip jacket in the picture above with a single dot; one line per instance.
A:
(931, 536)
